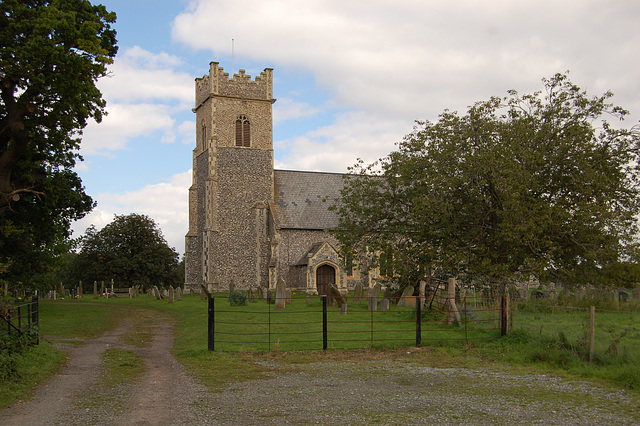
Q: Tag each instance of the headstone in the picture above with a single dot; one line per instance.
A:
(287, 296)
(179, 294)
(171, 294)
(61, 292)
(373, 304)
(335, 294)
(357, 294)
(80, 289)
(384, 305)
(372, 297)
(280, 294)
(406, 294)
(343, 309)
(204, 292)
(389, 294)
(307, 299)
(95, 289)
(422, 292)
(156, 292)
(259, 294)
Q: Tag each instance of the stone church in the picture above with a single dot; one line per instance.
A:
(249, 224)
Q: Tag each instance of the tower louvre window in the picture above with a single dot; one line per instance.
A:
(243, 132)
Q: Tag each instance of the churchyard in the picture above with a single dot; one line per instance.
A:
(545, 335)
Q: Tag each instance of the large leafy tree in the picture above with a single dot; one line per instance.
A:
(130, 250)
(538, 184)
(52, 53)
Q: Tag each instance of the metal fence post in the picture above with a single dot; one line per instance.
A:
(324, 322)
(419, 321)
(211, 324)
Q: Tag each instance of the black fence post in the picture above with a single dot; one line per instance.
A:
(419, 321)
(35, 317)
(503, 316)
(324, 322)
(211, 324)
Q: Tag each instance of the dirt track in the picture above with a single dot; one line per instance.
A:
(330, 392)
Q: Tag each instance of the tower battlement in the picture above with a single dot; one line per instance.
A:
(240, 85)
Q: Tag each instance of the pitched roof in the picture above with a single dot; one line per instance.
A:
(302, 199)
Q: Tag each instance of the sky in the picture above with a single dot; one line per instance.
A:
(350, 78)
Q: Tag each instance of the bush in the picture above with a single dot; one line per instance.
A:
(238, 298)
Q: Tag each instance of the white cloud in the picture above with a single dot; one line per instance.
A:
(336, 147)
(144, 92)
(187, 132)
(288, 109)
(126, 121)
(166, 203)
(412, 59)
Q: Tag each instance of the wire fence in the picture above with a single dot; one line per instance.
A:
(314, 322)
(613, 332)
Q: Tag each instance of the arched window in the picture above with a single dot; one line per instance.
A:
(243, 132)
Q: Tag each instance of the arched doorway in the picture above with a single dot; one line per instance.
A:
(325, 276)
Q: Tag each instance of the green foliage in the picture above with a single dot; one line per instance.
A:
(52, 53)
(536, 184)
(238, 298)
(131, 250)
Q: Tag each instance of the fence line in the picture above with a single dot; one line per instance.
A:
(313, 324)
(22, 320)
(588, 331)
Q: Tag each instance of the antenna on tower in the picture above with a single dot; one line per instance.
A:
(232, 56)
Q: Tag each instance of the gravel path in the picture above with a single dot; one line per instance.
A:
(328, 392)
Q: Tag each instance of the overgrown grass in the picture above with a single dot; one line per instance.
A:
(34, 366)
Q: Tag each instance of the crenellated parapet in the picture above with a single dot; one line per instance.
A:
(241, 86)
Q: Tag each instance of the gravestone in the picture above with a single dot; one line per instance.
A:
(384, 305)
(372, 297)
(406, 294)
(80, 289)
(259, 293)
(156, 292)
(307, 299)
(357, 294)
(422, 292)
(335, 294)
(287, 296)
(95, 289)
(204, 292)
(178, 294)
(280, 294)
(171, 294)
(61, 291)
(343, 309)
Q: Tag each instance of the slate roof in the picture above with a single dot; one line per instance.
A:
(298, 199)
(304, 260)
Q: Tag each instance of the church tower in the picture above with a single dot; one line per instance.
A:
(233, 181)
